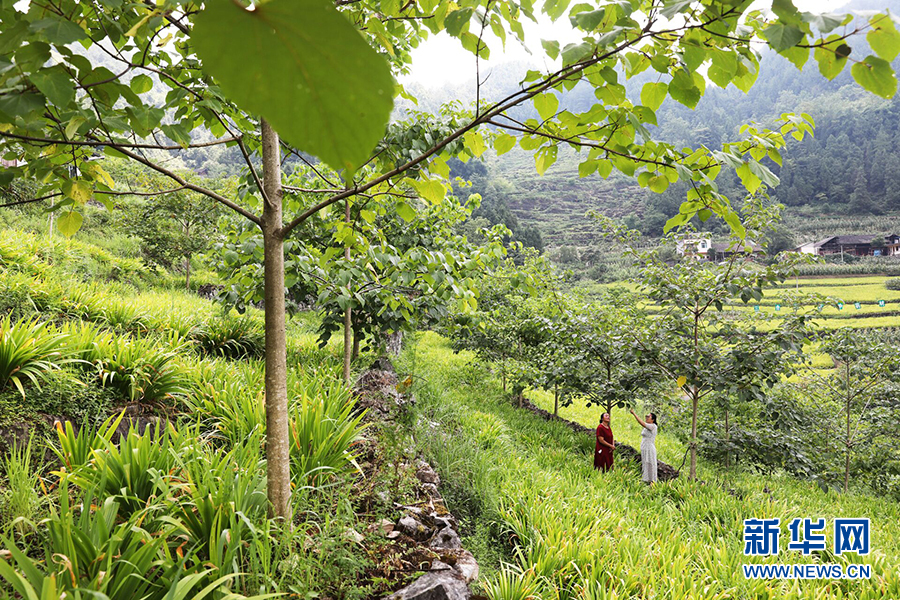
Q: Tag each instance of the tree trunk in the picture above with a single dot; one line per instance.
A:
(356, 339)
(694, 402)
(847, 457)
(278, 468)
(727, 439)
(555, 400)
(348, 316)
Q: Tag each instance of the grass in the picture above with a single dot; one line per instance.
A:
(567, 531)
(179, 505)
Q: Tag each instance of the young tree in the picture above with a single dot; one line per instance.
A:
(865, 366)
(312, 75)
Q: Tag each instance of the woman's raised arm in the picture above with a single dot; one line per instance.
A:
(637, 418)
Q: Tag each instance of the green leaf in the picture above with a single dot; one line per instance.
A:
(178, 133)
(431, 190)
(781, 37)
(78, 190)
(589, 20)
(141, 84)
(55, 84)
(884, 37)
(544, 158)
(503, 143)
(832, 58)
(314, 77)
(367, 215)
(587, 167)
(546, 105)
(683, 90)
(69, 223)
(59, 31)
(748, 178)
(19, 105)
(457, 20)
(405, 211)
(658, 183)
(876, 75)
(474, 143)
(653, 94)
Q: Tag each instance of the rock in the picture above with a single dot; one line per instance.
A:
(354, 536)
(467, 566)
(426, 474)
(435, 585)
(413, 528)
(393, 535)
(445, 539)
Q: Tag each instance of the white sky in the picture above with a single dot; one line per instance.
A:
(442, 60)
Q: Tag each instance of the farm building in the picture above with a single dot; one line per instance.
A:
(855, 245)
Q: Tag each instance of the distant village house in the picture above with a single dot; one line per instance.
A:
(704, 248)
(855, 245)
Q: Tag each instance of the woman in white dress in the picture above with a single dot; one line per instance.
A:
(648, 446)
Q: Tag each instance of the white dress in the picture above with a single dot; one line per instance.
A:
(648, 452)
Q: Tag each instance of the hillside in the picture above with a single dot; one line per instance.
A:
(848, 169)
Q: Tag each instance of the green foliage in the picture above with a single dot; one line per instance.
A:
(893, 284)
(141, 371)
(28, 351)
(20, 502)
(324, 428)
(230, 337)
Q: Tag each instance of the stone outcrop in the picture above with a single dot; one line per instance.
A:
(427, 522)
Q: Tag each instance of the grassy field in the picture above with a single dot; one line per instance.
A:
(566, 531)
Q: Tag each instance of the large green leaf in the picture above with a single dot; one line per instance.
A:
(653, 94)
(55, 84)
(781, 37)
(305, 68)
(884, 37)
(875, 75)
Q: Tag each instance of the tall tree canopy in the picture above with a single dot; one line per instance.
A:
(76, 78)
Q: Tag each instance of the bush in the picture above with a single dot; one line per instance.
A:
(140, 371)
(893, 284)
(230, 337)
(323, 430)
(28, 351)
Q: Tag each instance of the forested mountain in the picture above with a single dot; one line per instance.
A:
(850, 167)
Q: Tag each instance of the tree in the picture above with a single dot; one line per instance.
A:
(321, 74)
(172, 227)
(694, 342)
(864, 367)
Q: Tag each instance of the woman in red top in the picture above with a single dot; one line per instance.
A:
(603, 455)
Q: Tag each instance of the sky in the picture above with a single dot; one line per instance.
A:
(442, 60)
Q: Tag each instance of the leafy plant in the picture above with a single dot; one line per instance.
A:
(323, 430)
(230, 337)
(140, 370)
(19, 499)
(28, 350)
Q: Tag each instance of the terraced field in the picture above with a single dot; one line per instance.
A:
(857, 302)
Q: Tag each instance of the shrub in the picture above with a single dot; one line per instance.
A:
(323, 430)
(140, 371)
(28, 351)
(230, 337)
(893, 284)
